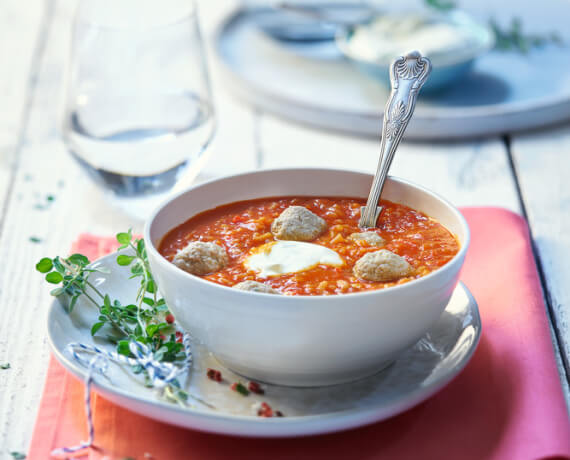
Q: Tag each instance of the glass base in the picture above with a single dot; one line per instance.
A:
(138, 196)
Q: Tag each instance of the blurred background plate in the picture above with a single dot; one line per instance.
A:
(310, 82)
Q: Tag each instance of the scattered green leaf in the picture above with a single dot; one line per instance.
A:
(240, 388)
(35, 239)
(18, 455)
(49, 199)
(5, 366)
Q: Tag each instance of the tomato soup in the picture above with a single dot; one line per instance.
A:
(242, 226)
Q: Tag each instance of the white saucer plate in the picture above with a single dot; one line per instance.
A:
(419, 373)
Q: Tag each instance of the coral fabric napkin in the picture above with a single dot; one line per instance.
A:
(506, 404)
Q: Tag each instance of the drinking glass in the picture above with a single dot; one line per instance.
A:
(139, 110)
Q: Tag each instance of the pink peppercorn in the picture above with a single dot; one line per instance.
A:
(254, 387)
(214, 375)
(265, 410)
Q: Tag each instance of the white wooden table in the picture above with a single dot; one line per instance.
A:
(525, 173)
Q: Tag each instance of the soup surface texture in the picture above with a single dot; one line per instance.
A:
(242, 226)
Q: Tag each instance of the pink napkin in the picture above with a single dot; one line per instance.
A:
(506, 404)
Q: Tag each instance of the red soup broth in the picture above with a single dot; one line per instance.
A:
(241, 226)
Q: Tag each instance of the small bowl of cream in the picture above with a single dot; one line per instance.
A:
(452, 41)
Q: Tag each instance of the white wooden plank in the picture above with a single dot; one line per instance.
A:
(19, 29)
(45, 167)
(473, 173)
(542, 164)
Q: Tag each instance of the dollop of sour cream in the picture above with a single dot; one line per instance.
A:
(396, 34)
(281, 257)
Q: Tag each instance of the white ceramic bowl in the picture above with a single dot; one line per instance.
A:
(303, 340)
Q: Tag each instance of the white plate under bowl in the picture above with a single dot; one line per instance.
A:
(419, 373)
(312, 83)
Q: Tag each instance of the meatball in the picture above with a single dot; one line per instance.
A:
(201, 258)
(382, 265)
(299, 224)
(255, 286)
(372, 238)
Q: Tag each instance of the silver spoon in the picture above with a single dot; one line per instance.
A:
(407, 75)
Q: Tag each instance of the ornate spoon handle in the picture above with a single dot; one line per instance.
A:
(407, 75)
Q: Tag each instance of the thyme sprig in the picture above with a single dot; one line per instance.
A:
(514, 38)
(143, 321)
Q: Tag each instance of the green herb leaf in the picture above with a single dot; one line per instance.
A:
(441, 5)
(152, 329)
(182, 394)
(148, 301)
(96, 327)
(137, 369)
(240, 388)
(35, 239)
(54, 277)
(57, 291)
(137, 269)
(160, 353)
(78, 259)
(123, 259)
(58, 265)
(73, 302)
(5, 366)
(124, 238)
(18, 455)
(44, 265)
(123, 348)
